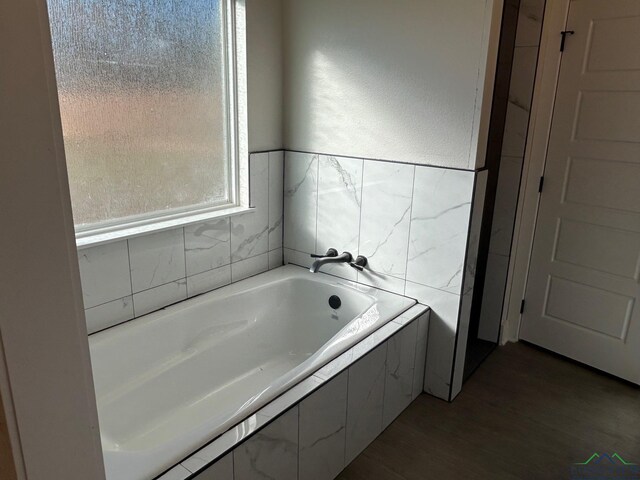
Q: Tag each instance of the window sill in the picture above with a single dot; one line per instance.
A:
(94, 238)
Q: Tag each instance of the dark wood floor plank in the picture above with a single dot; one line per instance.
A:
(525, 414)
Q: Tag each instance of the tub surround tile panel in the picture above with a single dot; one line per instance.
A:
(421, 355)
(176, 473)
(297, 258)
(291, 397)
(109, 314)
(209, 280)
(377, 338)
(386, 214)
(335, 366)
(104, 271)
(157, 259)
(159, 297)
(249, 267)
(300, 201)
(365, 402)
(323, 417)
(381, 281)
(414, 227)
(339, 203)
(469, 281)
(250, 231)
(443, 322)
(276, 187)
(197, 257)
(272, 452)
(341, 270)
(475, 227)
(275, 258)
(221, 470)
(207, 245)
(401, 356)
(439, 227)
(322, 403)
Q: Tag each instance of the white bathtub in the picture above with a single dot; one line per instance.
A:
(171, 381)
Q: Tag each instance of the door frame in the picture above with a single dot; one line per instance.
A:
(539, 129)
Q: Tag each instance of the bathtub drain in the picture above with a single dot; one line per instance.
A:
(335, 302)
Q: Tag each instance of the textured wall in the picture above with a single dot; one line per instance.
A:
(401, 81)
(264, 74)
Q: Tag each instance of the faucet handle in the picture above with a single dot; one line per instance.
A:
(360, 263)
(332, 252)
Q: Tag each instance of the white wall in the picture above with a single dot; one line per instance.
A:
(45, 378)
(407, 80)
(264, 74)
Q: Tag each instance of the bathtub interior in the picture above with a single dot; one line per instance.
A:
(215, 357)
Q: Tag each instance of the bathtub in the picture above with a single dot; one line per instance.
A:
(169, 382)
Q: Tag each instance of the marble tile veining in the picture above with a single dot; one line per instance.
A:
(443, 322)
(158, 297)
(272, 453)
(322, 427)
(365, 402)
(250, 231)
(300, 201)
(398, 388)
(104, 272)
(276, 187)
(339, 203)
(386, 215)
(157, 259)
(109, 314)
(207, 245)
(439, 226)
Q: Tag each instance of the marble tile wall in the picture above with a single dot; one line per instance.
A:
(410, 221)
(317, 428)
(130, 278)
(515, 134)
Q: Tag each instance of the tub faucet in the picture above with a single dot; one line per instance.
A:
(330, 257)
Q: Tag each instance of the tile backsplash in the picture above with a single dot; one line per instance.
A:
(129, 278)
(410, 221)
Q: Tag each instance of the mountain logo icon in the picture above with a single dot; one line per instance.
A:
(605, 459)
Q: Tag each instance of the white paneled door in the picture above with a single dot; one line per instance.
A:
(583, 291)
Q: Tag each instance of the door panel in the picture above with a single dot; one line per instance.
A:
(583, 289)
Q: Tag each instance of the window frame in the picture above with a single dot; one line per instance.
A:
(237, 171)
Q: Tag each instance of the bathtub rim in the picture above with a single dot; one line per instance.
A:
(214, 450)
(278, 274)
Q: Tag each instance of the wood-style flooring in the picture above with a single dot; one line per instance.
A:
(524, 414)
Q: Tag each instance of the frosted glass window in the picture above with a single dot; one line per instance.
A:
(144, 101)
